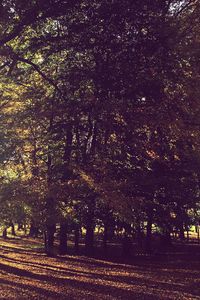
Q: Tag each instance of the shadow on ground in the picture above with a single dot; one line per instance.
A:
(26, 273)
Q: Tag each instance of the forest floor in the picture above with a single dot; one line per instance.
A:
(26, 273)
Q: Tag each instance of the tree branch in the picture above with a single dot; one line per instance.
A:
(37, 69)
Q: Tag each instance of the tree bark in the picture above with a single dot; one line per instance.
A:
(105, 237)
(126, 241)
(20, 226)
(5, 233)
(165, 239)
(13, 229)
(76, 239)
(188, 234)
(89, 238)
(49, 239)
(33, 230)
(63, 238)
(139, 235)
(181, 232)
(148, 245)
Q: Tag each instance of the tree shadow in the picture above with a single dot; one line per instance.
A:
(100, 279)
(73, 278)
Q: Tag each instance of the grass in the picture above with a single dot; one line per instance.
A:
(26, 273)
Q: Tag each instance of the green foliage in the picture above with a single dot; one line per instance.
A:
(96, 98)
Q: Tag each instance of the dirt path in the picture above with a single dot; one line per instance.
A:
(28, 274)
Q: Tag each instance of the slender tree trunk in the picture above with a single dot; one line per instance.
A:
(5, 233)
(20, 226)
(76, 238)
(127, 242)
(25, 228)
(50, 225)
(13, 229)
(89, 238)
(165, 239)
(139, 235)
(126, 246)
(149, 233)
(105, 236)
(181, 232)
(49, 239)
(188, 235)
(168, 238)
(33, 230)
(63, 238)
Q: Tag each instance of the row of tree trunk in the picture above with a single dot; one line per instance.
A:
(49, 237)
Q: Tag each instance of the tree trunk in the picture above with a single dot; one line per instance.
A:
(105, 237)
(165, 239)
(12, 229)
(127, 240)
(49, 239)
(149, 234)
(63, 238)
(33, 230)
(50, 225)
(25, 228)
(126, 246)
(76, 238)
(188, 235)
(89, 238)
(168, 238)
(5, 233)
(139, 235)
(198, 233)
(181, 232)
(20, 226)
